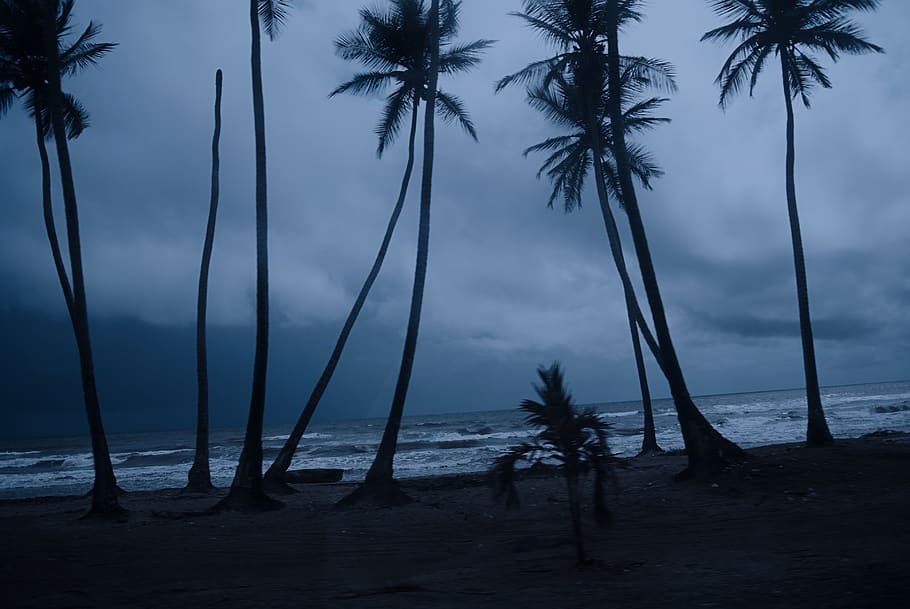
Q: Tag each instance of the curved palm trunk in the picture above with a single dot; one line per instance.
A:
(199, 478)
(380, 484)
(49, 224)
(246, 489)
(282, 463)
(706, 449)
(817, 432)
(636, 320)
(649, 437)
(104, 496)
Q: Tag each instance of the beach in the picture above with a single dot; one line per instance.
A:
(789, 527)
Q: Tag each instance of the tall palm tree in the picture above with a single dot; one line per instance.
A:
(577, 440)
(394, 44)
(246, 489)
(22, 74)
(199, 478)
(581, 31)
(791, 30)
(33, 58)
(379, 485)
(568, 165)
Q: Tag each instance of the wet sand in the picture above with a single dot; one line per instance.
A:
(791, 527)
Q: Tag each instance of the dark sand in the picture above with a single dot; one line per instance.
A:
(792, 527)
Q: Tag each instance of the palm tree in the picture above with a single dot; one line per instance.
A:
(246, 489)
(380, 485)
(33, 58)
(394, 45)
(576, 440)
(791, 30)
(581, 30)
(568, 165)
(22, 66)
(199, 478)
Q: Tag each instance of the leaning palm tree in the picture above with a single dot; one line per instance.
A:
(380, 485)
(576, 440)
(22, 66)
(581, 31)
(394, 44)
(33, 59)
(199, 478)
(568, 165)
(246, 489)
(791, 30)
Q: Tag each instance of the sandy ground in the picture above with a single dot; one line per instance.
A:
(791, 527)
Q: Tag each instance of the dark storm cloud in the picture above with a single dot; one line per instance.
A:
(511, 284)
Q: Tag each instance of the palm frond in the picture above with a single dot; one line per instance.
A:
(83, 52)
(397, 104)
(273, 14)
(452, 109)
(462, 57)
(7, 97)
(366, 83)
(533, 72)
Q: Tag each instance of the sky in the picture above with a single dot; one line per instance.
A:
(511, 284)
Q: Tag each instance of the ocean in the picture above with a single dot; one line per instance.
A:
(437, 444)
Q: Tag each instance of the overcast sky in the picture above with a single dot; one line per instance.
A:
(511, 284)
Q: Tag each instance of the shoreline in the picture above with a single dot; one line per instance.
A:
(790, 527)
(472, 477)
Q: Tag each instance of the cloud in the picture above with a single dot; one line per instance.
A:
(508, 278)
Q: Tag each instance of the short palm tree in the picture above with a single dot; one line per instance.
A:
(394, 44)
(33, 59)
(575, 440)
(569, 164)
(585, 36)
(199, 478)
(246, 489)
(791, 30)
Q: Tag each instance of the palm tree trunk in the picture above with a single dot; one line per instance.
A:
(636, 320)
(104, 496)
(649, 436)
(817, 432)
(49, 224)
(380, 484)
(246, 489)
(706, 449)
(575, 515)
(282, 463)
(199, 478)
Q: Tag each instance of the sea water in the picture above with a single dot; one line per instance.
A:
(438, 444)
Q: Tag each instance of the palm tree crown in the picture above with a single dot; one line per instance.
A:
(570, 159)
(575, 439)
(393, 45)
(23, 60)
(792, 30)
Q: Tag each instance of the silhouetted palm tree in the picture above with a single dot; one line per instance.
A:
(568, 165)
(380, 485)
(246, 489)
(581, 30)
(791, 30)
(33, 58)
(576, 440)
(394, 44)
(22, 75)
(199, 478)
